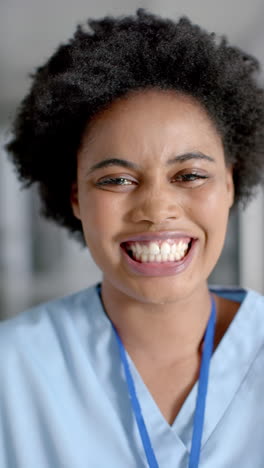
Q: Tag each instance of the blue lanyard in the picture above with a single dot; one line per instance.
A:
(200, 402)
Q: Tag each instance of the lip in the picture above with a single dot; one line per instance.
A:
(158, 236)
(156, 268)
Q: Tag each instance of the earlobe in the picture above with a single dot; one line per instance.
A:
(75, 200)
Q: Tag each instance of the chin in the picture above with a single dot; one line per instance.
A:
(158, 291)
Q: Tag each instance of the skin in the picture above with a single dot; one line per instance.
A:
(161, 319)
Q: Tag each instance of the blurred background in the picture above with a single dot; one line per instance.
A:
(38, 261)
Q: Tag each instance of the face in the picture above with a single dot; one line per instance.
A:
(153, 194)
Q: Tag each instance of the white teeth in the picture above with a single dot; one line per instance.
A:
(173, 248)
(154, 248)
(178, 255)
(155, 252)
(164, 257)
(165, 248)
(145, 249)
(144, 257)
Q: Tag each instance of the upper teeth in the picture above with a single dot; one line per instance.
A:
(155, 252)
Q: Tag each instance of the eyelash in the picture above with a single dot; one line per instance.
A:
(121, 181)
(191, 177)
(114, 181)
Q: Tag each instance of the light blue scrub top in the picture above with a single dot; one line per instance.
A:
(64, 401)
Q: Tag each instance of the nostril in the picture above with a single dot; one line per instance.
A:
(156, 208)
(154, 216)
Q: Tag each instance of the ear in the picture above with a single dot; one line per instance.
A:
(230, 185)
(75, 200)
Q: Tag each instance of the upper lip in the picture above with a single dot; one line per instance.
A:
(152, 236)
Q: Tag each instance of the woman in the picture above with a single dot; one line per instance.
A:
(141, 134)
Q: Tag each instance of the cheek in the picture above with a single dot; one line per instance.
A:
(210, 209)
(101, 215)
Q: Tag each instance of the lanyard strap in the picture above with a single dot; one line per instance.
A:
(136, 407)
(200, 402)
(202, 389)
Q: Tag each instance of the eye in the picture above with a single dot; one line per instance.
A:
(190, 178)
(114, 181)
(120, 183)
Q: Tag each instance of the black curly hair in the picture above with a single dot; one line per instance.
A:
(119, 55)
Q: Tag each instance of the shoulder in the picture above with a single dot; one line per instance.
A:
(247, 305)
(239, 313)
(246, 297)
(41, 323)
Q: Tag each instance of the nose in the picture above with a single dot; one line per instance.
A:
(157, 206)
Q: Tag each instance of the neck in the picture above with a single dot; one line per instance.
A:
(164, 334)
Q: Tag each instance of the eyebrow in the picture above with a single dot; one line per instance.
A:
(188, 156)
(131, 165)
(113, 162)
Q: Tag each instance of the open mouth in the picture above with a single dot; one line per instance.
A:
(170, 250)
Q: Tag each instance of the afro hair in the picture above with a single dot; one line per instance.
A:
(113, 57)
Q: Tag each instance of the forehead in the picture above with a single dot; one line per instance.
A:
(150, 121)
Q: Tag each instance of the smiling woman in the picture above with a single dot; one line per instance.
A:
(159, 128)
(152, 173)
